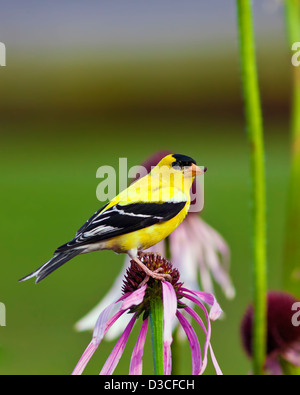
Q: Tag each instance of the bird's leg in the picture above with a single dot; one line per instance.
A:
(146, 279)
(149, 273)
(143, 253)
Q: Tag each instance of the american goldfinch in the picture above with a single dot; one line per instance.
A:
(136, 219)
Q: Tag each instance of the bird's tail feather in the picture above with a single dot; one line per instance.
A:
(53, 264)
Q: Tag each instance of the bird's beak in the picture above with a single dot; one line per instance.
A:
(196, 171)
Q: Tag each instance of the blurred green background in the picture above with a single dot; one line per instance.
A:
(72, 106)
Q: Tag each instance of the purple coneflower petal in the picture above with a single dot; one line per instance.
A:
(114, 357)
(210, 299)
(199, 256)
(215, 245)
(134, 298)
(136, 363)
(83, 361)
(208, 335)
(169, 312)
(103, 324)
(206, 331)
(273, 367)
(292, 355)
(220, 243)
(183, 253)
(129, 300)
(101, 328)
(215, 312)
(89, 320)
(193, 341)
(215, 362)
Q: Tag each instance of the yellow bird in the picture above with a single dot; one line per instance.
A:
(138, 218)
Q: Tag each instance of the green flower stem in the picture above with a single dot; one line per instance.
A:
(156, 324)
(291, 260)
(255, 137)
(175, 346)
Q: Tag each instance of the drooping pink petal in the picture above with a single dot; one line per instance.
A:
(219, 242)
(89, 320)
(136, 362)
(103, 324)
(193, 341)
(83, 361)
(183, 255)
(198, 248)
(274, 367)
(169, 313)
(114, 357)
(206, 331)
(210, 299)
(208, 335)
(135, 298)
(101, 327)
(292, 355)
(215, 252)
(99, 332)
(215, 362)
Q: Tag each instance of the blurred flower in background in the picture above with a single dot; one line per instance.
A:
(136, 301)
(283, 334)
(194, 248)
(198, 250)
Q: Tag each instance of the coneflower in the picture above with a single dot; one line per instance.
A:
(283, 331)
(139, 293)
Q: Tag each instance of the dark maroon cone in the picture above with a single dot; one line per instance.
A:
(281, 333)
(135, 275)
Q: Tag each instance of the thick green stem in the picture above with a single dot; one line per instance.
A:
(255, 137)
(175, 346)
(291, 261)
(156, 324)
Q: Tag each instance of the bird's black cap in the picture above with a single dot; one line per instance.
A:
(182, 160)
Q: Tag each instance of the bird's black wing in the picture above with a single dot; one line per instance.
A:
(87, 223)
(121, 219)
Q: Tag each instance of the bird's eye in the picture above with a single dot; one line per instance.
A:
(180, 165)
(177, 166)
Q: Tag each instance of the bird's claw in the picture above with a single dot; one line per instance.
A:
(155, 274)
